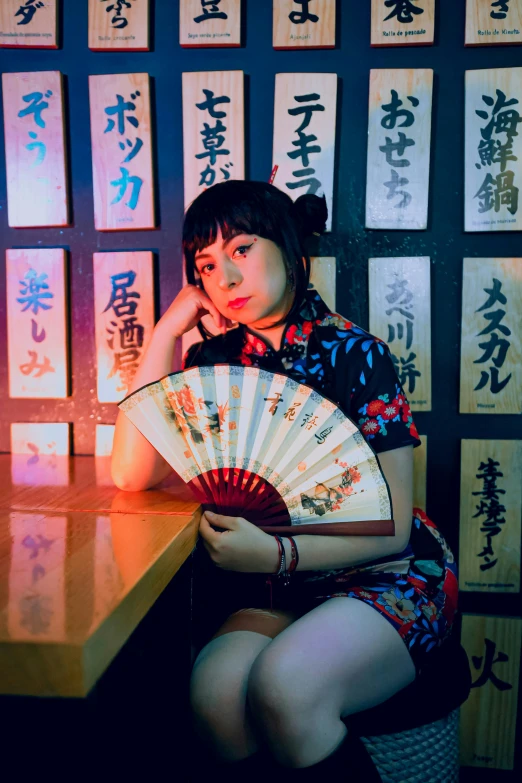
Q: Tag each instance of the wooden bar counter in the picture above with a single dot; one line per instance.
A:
(81, 564)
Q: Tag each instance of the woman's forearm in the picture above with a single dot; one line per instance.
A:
(324, 553)
(136, 465)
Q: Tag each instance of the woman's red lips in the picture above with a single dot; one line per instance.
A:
(237, 303)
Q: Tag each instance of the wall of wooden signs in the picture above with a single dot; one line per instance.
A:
(406, 116)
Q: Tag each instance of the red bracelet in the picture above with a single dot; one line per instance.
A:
(295, 556)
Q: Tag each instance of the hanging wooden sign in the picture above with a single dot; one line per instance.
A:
(402, 22)
(121, 152)
(203, 23)
(35, 149)
(400, 314)
(119, 25)
(39, 454)
(420, 463)
(488, 717)
(36, 609)
(31, 24)
(493, 22)
(491, 350)
(399, 137)
(104, 440)
(304, 135)
(297, 25)
(490, 516)
(37, 323)
(124, 318)
(493, 156)
(323, 277)
(213, 129)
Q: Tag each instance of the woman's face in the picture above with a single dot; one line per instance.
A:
(246, 278)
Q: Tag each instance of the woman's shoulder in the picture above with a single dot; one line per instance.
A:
(341, 335)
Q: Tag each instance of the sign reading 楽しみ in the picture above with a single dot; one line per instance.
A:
(35, 149)
(124, 318)
(399, 134)
(203, 23)
(490, 365)
(31, 24)
(402, 22)
(213, 130)
(304, 135)
(493, 158)
(119, 25)
(121, 151)
(494, 22)
(36, 323)
(400, 314)
(300, 24)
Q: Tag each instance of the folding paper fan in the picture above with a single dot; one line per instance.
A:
(259, 445)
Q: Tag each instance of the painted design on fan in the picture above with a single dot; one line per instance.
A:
(185, 406)
(331, 498)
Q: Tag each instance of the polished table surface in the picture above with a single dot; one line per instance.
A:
(81, 563)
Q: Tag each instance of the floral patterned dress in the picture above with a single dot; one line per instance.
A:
(416, 589)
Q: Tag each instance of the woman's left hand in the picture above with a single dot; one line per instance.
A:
(240, 546)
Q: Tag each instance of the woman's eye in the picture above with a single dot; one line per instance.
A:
(242, 248)
(207, 267)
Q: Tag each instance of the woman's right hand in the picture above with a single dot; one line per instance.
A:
(187, 309)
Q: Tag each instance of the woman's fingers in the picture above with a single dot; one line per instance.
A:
(219, 319)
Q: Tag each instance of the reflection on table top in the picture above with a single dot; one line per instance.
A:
(81, 563)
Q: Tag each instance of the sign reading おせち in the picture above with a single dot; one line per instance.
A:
(304, 135)
(36, 323)
(402, 22)
(493, 158)
(399, 135)
(35, 149)
(400, 314)
(204, 23)
(31, 24)
(493, 22)
(491, 351)
(213, 130)
(301, 24)
(124, 318)
(121, 152)
(119, 25)
(490, 516)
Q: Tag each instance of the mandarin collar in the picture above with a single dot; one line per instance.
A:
(297, 329)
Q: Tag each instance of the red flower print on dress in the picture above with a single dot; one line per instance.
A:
(375, 407)
(370, 427)
(391, 410)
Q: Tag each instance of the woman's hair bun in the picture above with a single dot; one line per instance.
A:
(310, 213)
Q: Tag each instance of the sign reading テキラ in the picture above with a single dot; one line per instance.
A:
(493, 157)
(402, 22)
(31, 24)
(304, 135)
(493, 22)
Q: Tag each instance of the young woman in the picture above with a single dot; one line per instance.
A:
(278, 673)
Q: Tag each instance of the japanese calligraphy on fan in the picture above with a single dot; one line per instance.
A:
(399, 134)
(124, 319)
(304, 135)
(37, 338)
(213, 130)
(490, 515)
(122, 154)
(402, 22)
(400, 314)
(491, 376)
(493, 157)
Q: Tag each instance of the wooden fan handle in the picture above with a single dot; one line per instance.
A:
(370, 527)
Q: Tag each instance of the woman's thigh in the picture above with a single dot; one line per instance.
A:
(339, 658)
